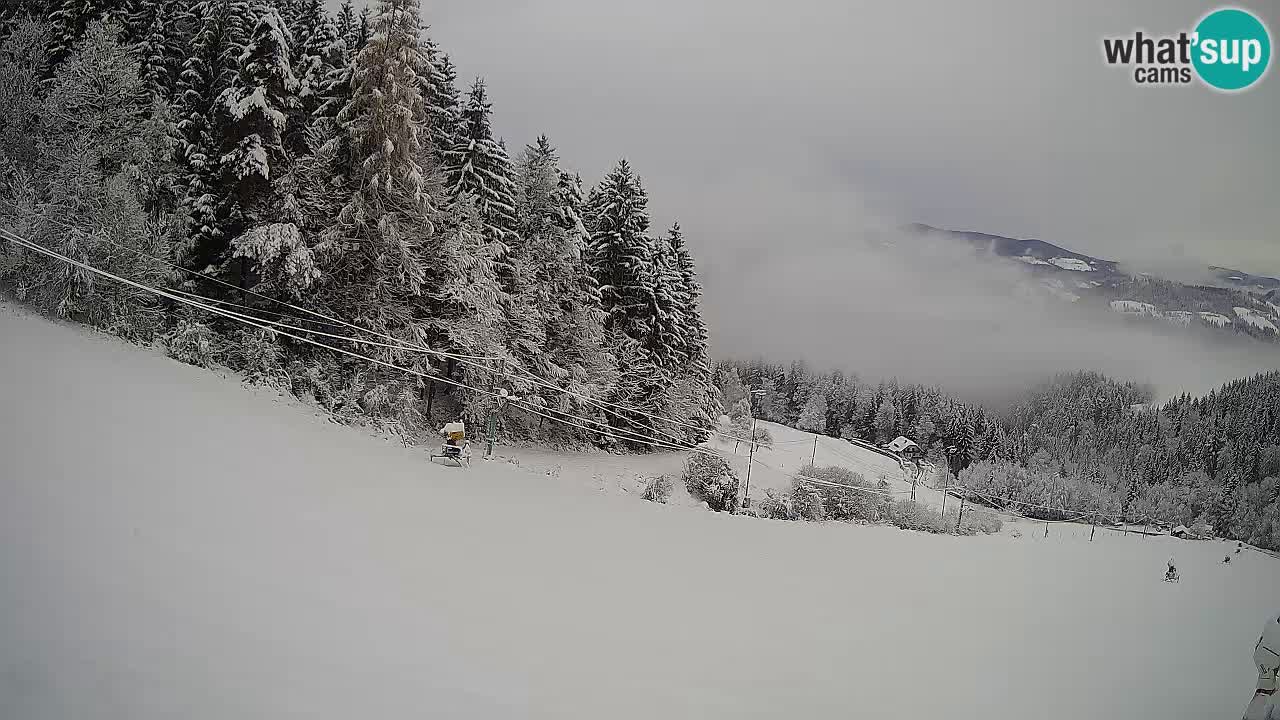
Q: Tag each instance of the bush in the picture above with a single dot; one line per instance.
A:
(657, 489)
(260, 357)
(806, 502)
(774, 506)
(977, 520)
(193, 343)
(861, 502)
(710, 479)
(911, 515)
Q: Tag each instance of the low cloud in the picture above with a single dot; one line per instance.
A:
(929, 309)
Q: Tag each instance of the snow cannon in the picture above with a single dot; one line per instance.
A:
(454, 432)
(1266, 656)
(455, 447)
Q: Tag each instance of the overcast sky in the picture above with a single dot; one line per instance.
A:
(779, 133)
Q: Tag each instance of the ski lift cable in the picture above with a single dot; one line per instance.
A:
(623, 408)
(602, 404)
(267, 325)
(335, 322)
(262, 325)
(276, 327)
(610, 433)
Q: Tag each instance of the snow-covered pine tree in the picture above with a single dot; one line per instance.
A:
(374, 265)
(623, 263)
(444, 109)
(319, 52)
(364, 30)
(212, 64)
(70, 18)
(80, 194)
(158, 46)
(347, 26)
(251, 119)
(553, 288)
(813, 417)
(14, 10)
(620, 255)
(696, 339)
(463, 315)
(670, 306)
(478, 166)
(24, 59)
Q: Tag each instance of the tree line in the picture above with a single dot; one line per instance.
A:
(1077, 445)
(274, 151)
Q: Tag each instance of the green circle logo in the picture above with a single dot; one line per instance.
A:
(1232, 49)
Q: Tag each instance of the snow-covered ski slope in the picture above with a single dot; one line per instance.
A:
(173, 545)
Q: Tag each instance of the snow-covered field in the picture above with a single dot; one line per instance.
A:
(1254, 318)
(1071, 264)
(173, 545)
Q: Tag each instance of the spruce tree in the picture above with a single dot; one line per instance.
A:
(444, 110)
(364, 31)
(159, 46)
(620, 255)
(70, 18)
(671, 304)
(558, 307)
(211, 67)
(319, 58)
(348, 27)
(375, 260)
(251, 119)
(478, 166)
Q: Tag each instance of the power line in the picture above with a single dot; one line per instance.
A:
(336, 321)
(282, 329)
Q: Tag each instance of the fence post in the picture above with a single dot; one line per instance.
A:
(1093, 529)
(1046, 528)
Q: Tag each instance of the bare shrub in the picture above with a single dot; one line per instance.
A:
(657, 489)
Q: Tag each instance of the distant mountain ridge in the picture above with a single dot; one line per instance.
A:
(1235, 301)
(1042, 250)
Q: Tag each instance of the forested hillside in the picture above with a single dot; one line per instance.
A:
(1079, 445)
(268, 152)
(1212, 460)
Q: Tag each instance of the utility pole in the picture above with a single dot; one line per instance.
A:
(1093, 529)
(751, 449)
(491, 422)
(813, 458)
(960, 517)
(751, 458)
(946, 485)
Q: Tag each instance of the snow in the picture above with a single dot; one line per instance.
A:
(1254, 318)
(1032, 260)
(1215, 319)
(1133, 307)
(173, 544)
(1058, 289)
(1179, 317)
(1071, 264)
